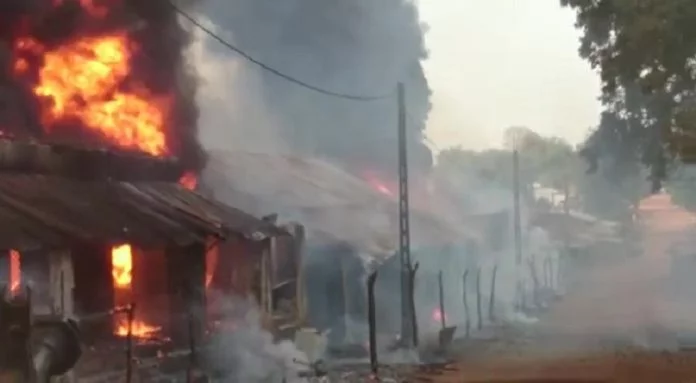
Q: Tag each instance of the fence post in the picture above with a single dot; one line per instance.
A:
(372, 321)
(412, 296)
(441, 291)
(491, 301)
(466, 304)
(478, 299)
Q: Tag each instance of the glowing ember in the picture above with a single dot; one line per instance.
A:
(15, 271)
(437, 315)
(87, 81)
(122, 266)
(383, 189)
(377, 184)
(189, 180)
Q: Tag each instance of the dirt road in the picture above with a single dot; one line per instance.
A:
(618, 368)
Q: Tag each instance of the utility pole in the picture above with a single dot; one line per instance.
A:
(517, 218)
(516, 205)
(407, 335)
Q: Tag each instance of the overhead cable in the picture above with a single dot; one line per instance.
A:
(270, 69)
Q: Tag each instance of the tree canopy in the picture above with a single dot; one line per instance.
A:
(645, 52)
(549, 162)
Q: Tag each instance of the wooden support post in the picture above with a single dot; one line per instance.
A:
(298, 234)
(62, 283)
(552, 282)
(345, 294)
(263, 303)
(372, 321)
(129, 345)
(535, 280)
(491, 301)
(193, 354)
(267, 279)
(61, 276)
(186, 273)
(441, 295)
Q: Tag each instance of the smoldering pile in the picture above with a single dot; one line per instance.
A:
(109, 73)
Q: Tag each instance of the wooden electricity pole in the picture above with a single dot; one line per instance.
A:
(517, 217)
(407, 311)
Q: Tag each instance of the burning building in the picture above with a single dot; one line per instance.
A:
(97, 162)
(121, 233)
(105, 73)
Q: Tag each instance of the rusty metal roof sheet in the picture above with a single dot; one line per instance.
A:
(332, 200)
(577, 229)
(37, 210)
(290, 180)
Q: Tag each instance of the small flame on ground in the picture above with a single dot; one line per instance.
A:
(139, 329)
(437, 315)
(15, 271)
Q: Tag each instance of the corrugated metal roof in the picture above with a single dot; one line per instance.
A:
(332, 201)
(290, 181)
(37, 210)
(575, 228)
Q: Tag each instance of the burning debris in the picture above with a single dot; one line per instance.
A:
(107, 72)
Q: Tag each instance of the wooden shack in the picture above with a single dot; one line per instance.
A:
(93, 234)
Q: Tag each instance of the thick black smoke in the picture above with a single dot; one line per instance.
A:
(349, 46)
(159, 64)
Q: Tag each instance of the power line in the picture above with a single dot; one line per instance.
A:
(276, 72)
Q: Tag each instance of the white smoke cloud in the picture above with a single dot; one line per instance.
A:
(244, 352)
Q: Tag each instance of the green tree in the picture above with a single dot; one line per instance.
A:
(681, 186)
(611, 198)
(550, 162)
(645, 52)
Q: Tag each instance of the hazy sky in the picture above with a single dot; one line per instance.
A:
(498, 63)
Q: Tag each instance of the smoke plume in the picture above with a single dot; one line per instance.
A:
(248, 353)
(359, 47)
(109, 72)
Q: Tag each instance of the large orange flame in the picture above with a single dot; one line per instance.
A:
(87, 81)
(122, 266)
